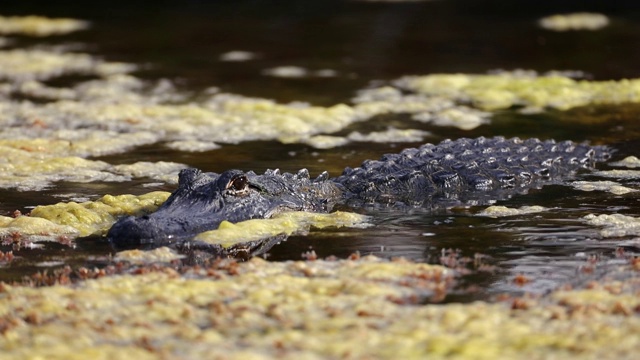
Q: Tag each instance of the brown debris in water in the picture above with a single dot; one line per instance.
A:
(362, 308)
(6, 257)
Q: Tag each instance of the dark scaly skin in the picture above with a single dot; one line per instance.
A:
(461, 171)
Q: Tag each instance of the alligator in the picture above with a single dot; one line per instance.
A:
(470, 171)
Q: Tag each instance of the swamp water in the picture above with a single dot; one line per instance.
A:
(132, 95)
(360, 46)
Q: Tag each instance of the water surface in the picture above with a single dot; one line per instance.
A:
(367, 44)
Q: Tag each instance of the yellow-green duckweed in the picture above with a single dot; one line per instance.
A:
(114, 111)
(30, 228)
(574, 21)
(68, 220)
(619, 174)
(615, 225)
(96, 217)
(628, 162)
(520, 88)
(501, 211)
(238, 56)
(33, 164)
(39, 25)
(161, 254)
(391, 135)
(23, 65)
(609, 186)
(315, 309)
(287, 223)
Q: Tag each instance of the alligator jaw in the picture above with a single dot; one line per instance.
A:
(203, 200)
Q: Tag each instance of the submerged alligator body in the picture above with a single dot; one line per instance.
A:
(452, 172)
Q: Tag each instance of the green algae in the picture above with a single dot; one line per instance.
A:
(22, 65)
(527, 89)
(96, 217)
(238, 56)
(619, 174)
(574, 21)
(608, 186)
(501, 211)
(161, 254)
(391, 135)
(40, 26)
(68, 220)
(628, 162)
(33, 164)
(287, 223)
(365, 308)
(115, 111)
(34, 229)
(615, 225)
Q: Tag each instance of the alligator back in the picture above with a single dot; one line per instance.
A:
(466, 170)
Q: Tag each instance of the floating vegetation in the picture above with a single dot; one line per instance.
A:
(619, 174)
(287, 72)
(298, 72)
(238, 56)
(502, 211)
(326, 141)
(609, 186)
(308, 309)
(574, 21)
(192, 145)
(33, 165)
(24, 65)
(33, 229)
(115, 111)
(96, 217)
(68, 220)
(287, 223)
(39, 25)
(391, 135)
(523, 88)
(628, 162)
(161, 254)
(615, 225)
(164, 171)
(461, 117)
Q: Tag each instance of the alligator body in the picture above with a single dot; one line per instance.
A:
(452, 172)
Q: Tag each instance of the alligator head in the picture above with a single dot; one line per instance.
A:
(203, 200)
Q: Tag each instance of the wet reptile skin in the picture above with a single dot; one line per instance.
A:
(461, 171)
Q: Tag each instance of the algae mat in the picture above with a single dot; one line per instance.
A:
(106, 108)
(361, 308)
(368, 308)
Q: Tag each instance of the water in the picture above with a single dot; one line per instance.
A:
(368, 43)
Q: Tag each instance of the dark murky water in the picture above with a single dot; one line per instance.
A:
(365, 43)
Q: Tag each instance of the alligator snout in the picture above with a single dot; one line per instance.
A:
(134, 231)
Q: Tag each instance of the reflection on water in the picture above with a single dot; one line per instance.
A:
(363, 44)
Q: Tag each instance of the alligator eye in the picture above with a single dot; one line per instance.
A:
(238, 184)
